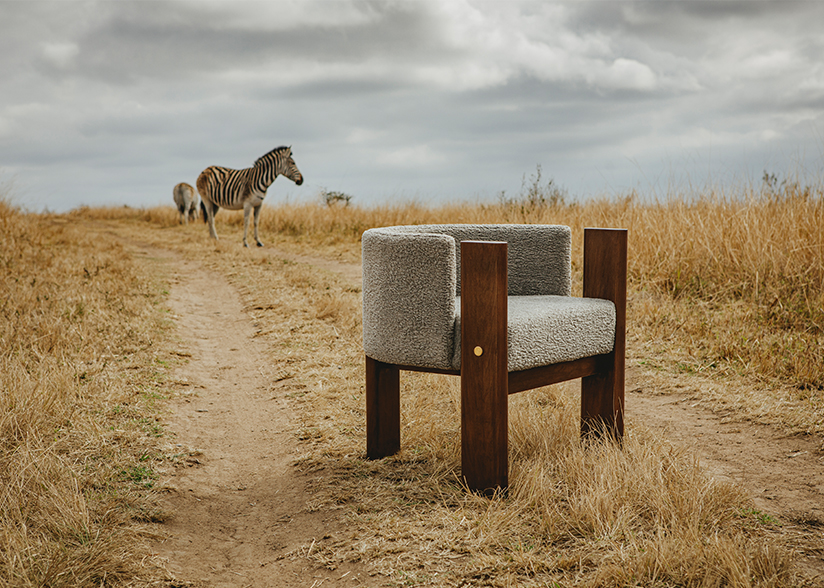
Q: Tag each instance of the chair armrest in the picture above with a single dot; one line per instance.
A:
(605, 272)
(605, 276)
(409, 306)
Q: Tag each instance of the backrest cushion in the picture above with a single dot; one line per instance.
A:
(539, 256)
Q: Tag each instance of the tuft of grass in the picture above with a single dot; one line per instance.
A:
(584, 514)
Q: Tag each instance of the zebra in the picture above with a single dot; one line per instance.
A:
(186, 201)
(236, 189)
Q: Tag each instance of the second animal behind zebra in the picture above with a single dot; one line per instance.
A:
(186, 201)
(236, 189)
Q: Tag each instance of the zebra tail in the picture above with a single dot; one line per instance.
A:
(202, 184)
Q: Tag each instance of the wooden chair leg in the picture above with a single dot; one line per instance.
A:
(484, 375)
(602, 404)
(605, 276)
(383, 409)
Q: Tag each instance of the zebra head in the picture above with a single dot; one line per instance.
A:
(289, 169)
(279, 162)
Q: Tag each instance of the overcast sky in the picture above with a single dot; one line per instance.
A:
(115, 102)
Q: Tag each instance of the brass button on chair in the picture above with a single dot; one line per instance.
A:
(492, 304)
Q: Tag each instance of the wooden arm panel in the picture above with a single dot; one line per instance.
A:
(605, 276)
(484, 376)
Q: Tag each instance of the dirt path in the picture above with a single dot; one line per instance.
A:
(239, 507)
(783, 474)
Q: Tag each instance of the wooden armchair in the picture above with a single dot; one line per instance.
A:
(495, 310)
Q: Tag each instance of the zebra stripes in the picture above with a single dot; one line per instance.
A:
(236, 189)
(186, 201)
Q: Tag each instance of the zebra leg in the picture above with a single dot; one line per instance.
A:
(246, 209)
(211, 210)
(185, 213)
(257, 221)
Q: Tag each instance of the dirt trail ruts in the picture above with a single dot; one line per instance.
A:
(784, 474)
(240, 507)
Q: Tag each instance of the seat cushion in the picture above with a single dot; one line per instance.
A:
(544, 330)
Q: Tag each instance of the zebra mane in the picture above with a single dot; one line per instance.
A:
(260, 159)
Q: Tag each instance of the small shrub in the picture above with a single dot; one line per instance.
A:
(534, 195)
(333, 198)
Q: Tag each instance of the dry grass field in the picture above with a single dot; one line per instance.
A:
(79, 381)
(726, 287)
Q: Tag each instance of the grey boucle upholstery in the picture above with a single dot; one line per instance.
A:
(411, 296)
(543, 330)
(538, 256)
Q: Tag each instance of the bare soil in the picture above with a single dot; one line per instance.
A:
(241, 512)
(238, 507)
(782, 472)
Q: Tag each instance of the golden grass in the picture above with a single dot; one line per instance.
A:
(732, 283)
(644, 514)
(728, 287)
(728, 283)
(583, 515)
(77, 429)
(574, 514)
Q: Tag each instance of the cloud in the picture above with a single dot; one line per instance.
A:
(284, 15)
(629, 74)
(60, 55)
(453, 46)
(419, 157)
(439, 98)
